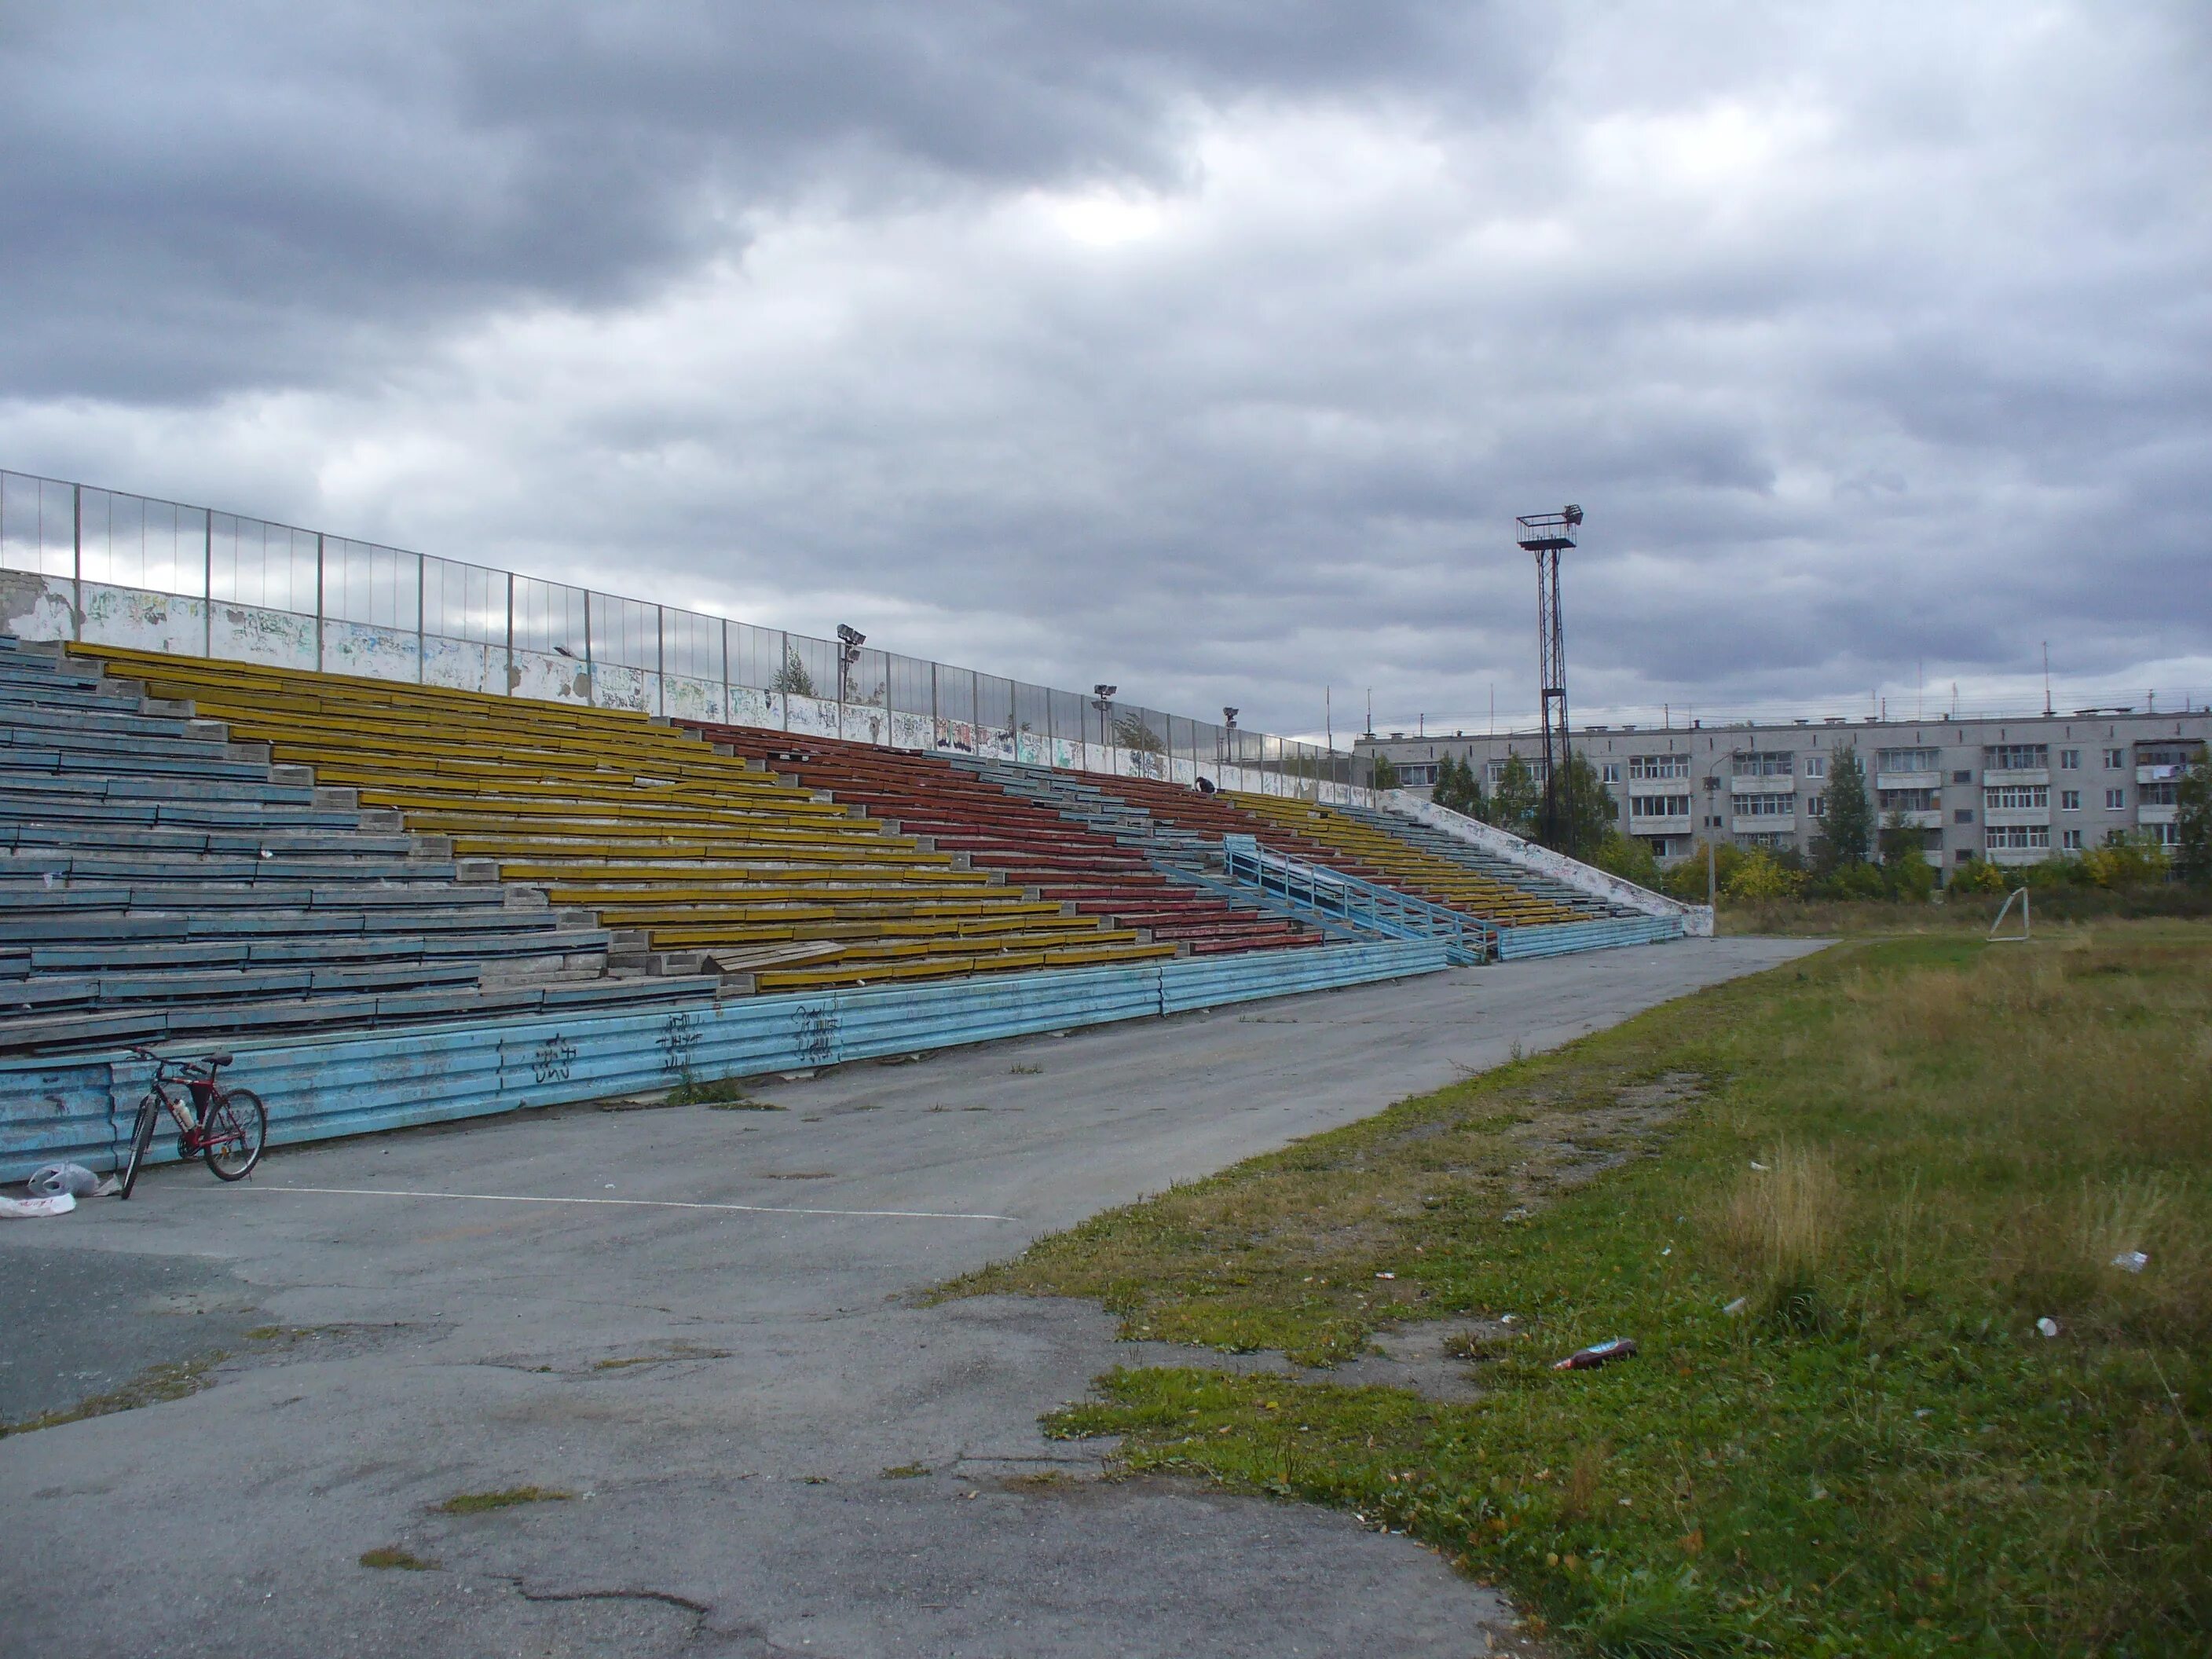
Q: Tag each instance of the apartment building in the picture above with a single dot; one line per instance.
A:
(2011, 791)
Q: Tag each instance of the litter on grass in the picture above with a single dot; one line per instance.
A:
(2047, 1325)
(1598, 1353)
(2132, 1261)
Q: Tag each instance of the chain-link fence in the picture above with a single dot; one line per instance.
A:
(100, 567)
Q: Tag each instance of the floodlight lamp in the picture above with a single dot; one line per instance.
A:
(1229, 716)
(1573, 514)
(1105, 690)
(851, 635)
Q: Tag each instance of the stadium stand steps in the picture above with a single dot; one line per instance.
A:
(960, 810)
(143, 899)
(698, 859)
(1499, 868)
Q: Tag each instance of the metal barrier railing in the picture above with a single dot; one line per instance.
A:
(102, 567)
(1356, 902)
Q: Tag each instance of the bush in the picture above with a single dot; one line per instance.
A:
(1628, 858)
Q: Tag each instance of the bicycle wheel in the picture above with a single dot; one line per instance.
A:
(141, 1140)
(237, 1125)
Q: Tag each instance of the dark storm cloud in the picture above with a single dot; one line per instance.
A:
(1872, 336)
(273, 194)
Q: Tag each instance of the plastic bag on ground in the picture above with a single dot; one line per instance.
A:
(52, 1179)
(30, 1209)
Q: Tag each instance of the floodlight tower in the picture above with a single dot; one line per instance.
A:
(1547, 535)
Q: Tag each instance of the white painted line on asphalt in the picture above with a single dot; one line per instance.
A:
(650, 1203)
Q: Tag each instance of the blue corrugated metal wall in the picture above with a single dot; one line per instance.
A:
(82, 1109)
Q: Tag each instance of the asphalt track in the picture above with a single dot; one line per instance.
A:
(700, 1324)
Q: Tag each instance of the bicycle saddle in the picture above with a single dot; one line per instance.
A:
(218, 1060)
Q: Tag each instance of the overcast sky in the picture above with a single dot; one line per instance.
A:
(1202, 346)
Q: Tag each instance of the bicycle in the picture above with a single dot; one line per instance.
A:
(226, 1126)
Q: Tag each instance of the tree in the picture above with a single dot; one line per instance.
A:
(1627, 857)
(1846, 835)
(2192, 858)
(1382, 775)
(1459, 787)
(1514, 807)
(1130, 732)
(2126, 860)
(1586, 808)
(793, 680)
(1905, 871)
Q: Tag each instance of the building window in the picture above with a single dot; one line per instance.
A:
(2115, 759)
(2116, 800)
(2019, 838)
(1962, 777)
(1655, 769)
(1763, 763)
(2070, 800)
(1816, 766)
(2165, 755)
(2070, 759)
(1906, 760)
(1416, 777)
(2168, 835)
(1610, 772)
(1910, 800)
(2156, 795)
(1659, 807)
(2016, 797)
(2070, 840)
(1766, 806)
(2015, 756)
(1773, 841)
(1965, 856)
(1962, 815)
(1816, 806)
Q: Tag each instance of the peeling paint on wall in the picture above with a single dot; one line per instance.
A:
(139, 620)
(36, 607)
(464, 666)
(376, 653)
(276, 639)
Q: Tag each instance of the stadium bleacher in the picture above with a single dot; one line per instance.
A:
(962, 811)
(697, 859)
(159, 879)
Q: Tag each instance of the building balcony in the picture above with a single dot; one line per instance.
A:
(1680, 824)
(2004, 817)
(2159, 774)
(2029, 775)
(1762, 825)
(2157, 814)
(1930, 819)
(2017, 855)
(1763, 786)
(1908, 780)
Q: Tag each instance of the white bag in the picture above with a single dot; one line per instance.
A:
(28, 1209)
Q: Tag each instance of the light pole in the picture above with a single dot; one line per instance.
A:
(849, 641)
(1712, 838)
(1103, 701)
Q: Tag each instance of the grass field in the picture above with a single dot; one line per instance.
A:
(1897, 1156)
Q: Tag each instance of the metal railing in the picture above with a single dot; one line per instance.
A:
(1356, 902)
(102, 567)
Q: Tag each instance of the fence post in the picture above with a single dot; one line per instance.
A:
(660, 659)
(591, 669)
(936, 713)
(782, 677)
(207, 584)
(76, 561)
(318, 602)
(422, 637)
(510, 633)
(726, 713)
